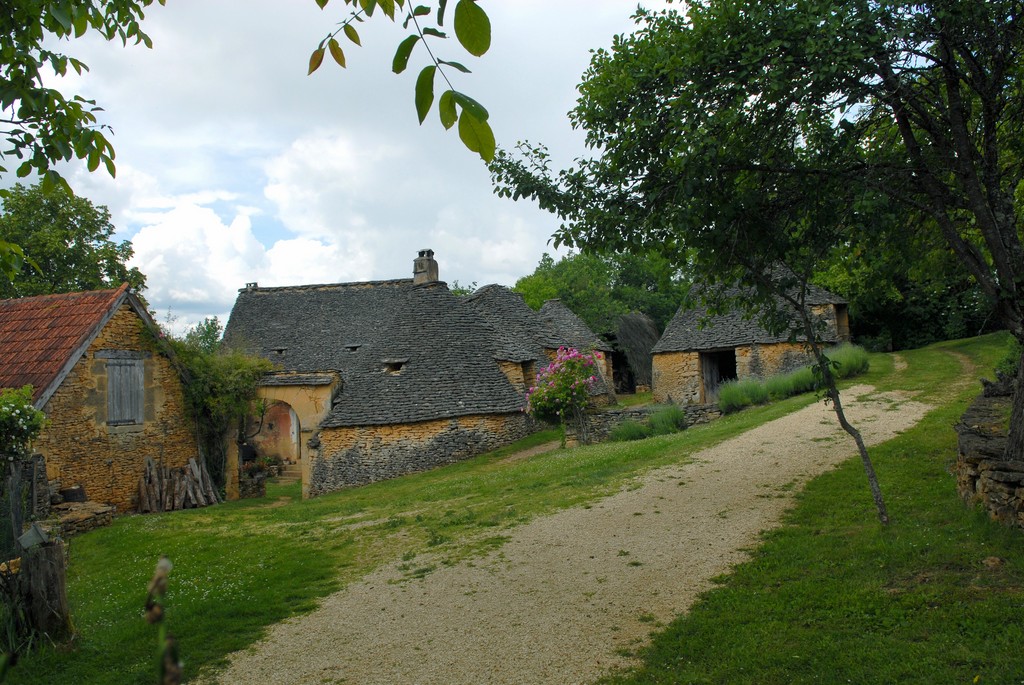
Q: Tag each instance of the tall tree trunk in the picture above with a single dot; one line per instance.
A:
(869, 469)
(832, 392)
(1015, 441)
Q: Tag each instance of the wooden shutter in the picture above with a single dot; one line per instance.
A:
(125, 383)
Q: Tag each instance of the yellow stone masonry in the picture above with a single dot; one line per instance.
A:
(675, 377)
(81, 449)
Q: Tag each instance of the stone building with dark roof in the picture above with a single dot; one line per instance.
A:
(698, 352)
(566, 325)
(110, 393)
(524, 340)
(378, 379)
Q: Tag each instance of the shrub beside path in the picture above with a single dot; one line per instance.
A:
(570, 594)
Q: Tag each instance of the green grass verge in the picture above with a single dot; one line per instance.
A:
(833, 597)
(243, 566)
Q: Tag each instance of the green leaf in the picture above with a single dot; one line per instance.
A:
(368, 6)
(442, 5)
(81, 23)
(315, 60)
(476, 135)
(470, 105)
(431, 31)
(24, 169)
(109, 163)
(62, 17)
(350, 33)
(472, 27)
(446, 109)
(322, 3)
(388, 7)
(420, 11)
(425, 91)
(454, 65)
(402, 54)
(336, 52)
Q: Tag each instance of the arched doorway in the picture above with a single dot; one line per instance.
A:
(278, 436)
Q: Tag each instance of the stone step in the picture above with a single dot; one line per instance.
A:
(290, 473)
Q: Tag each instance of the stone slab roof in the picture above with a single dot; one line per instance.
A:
(41, 338)
(405, 353)
(289, 379)
(685, 332)
(519, 333)
(569, 328)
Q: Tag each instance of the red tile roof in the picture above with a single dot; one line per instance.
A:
(39, 335)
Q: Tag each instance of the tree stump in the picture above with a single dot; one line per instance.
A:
(44, 590)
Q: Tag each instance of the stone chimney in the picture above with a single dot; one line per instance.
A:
(424, 268)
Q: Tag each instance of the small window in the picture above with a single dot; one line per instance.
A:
(393, 367)
(125, 386)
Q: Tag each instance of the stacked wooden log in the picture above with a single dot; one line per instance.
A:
(163, 488)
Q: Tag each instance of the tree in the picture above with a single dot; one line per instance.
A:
(582, 281)
(758, 136)
(906, 294)
(42, 126)
(460, 290)
(68, 238)
(473, 32)
(220, 388)
(600, 289)
(205, 336)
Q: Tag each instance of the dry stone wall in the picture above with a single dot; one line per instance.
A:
(983, 476)
(676, 377)
(764, 361)
(364, 454)
(601, 424)
(107, 461)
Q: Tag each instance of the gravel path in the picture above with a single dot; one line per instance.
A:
(571, 592)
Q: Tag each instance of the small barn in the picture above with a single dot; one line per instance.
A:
(377, 379)
(698, 352)
(110, 393)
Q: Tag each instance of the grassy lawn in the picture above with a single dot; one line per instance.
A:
(830, 597)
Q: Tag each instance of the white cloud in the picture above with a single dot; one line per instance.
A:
(195, 262)
(233, 166)
(302, 260)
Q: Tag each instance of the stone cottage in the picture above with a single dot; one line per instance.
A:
(110, 394)
(524, 341)
(566, 325)
(377, 379)
(697, 353)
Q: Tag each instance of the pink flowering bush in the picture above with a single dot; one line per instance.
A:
(562, 389)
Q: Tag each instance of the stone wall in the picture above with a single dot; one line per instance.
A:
(107, 460)
(983, 476)
(601, 424)
(764, 361)
(520, 375)
(364, 454)
(676, 377)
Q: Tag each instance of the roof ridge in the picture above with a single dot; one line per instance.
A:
(324, 286)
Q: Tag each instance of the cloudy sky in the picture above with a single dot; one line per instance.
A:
(234, 166)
